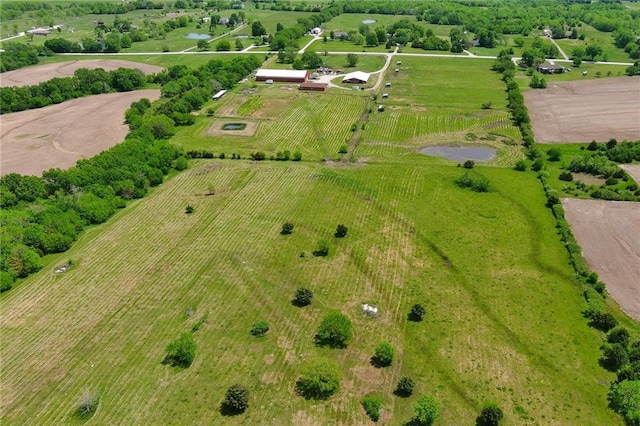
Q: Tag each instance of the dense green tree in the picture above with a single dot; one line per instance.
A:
(182, 351)
(303, 296)
(426, 409)
(320, 379)
(257, 29)
(223, 46)
(491, 415)
(352, 59)
(405, 386)
(334, 330)
(592, 51)
(236, 399)
(625, 399)
(384, 354)
(260, 328)
(417, 312)
(341, 231)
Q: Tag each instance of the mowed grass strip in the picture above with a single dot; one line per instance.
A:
(503, 316)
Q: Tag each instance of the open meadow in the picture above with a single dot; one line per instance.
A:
(488, 267)
(480, 246)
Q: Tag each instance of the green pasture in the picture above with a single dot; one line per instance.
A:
(316, 124)
(436, 101)
(271, 18)
(503, 316)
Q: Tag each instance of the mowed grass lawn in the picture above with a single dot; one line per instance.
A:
(503, 315)
(316, 124)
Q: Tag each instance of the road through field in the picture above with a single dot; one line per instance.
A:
(609, 234)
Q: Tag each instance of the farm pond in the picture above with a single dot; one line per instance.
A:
(461, 153)
(196, 36)
(234, 126)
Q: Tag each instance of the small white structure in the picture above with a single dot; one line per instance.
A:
(315, 31)
(385, 95)
(205, 19)
(380, 108)
(399, 63)
(219, 95)
(369, 310)
(387, 85)
(397, 69)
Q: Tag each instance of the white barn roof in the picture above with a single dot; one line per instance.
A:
(266, 73)
(358, 75)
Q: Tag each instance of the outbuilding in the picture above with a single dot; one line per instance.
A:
(289, 76)
(550, 69)
(314, 87)
(219, 95)
(356, 77)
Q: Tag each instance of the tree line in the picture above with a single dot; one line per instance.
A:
(43, 215)
(84, 82)
(18, 55)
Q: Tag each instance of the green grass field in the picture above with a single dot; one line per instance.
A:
(439, 100)
(502, 324)
(503, 320)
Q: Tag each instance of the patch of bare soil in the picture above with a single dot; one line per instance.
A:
(59, 135)
(216, 128)
(633, 170)
(273, 109)
(609, 234)
(39, 73)
(582, 111)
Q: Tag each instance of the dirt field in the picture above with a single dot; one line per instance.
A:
(216, 128)
(34, 75)
(609, 234)
(633, 170)
(582, 111)
(59, 135)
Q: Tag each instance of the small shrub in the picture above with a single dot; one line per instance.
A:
(260, 328)
(297, 156)
(614, 357)
(210, 112)
(323, 248)
(491, 415)
(521, 165)
(537, 165)
(372, 405)
(603, 321)
(189, 209)
(236, 400)
(341, 231)
(417, 312)
(469, 164)
(87, 404)
(593, 146)
(258, 156)
(619, 335)
(343, 149)
(611, 181)
(487, 105)
(474, 182)
(303, 296)
(181, 352)
(287, 228)
(354, 127)
(384, 354)
(405, 386)
(566, 176)
(554, 154)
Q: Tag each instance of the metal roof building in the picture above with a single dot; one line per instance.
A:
(356, 77)
(292, 76)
